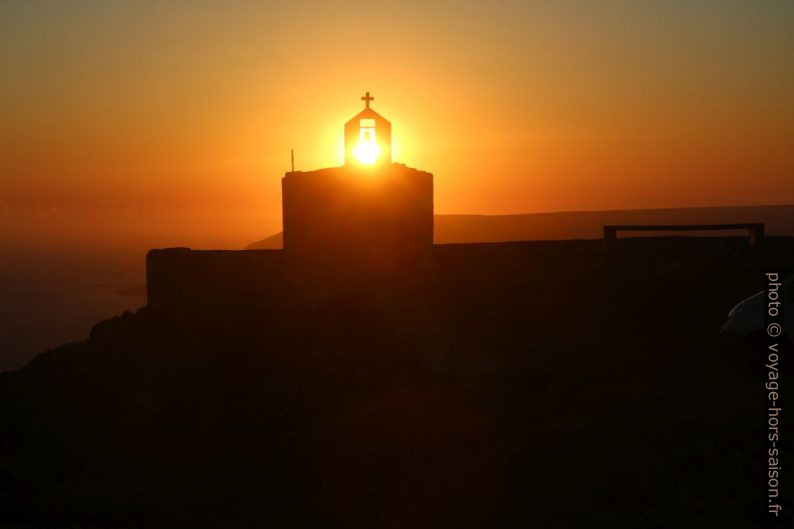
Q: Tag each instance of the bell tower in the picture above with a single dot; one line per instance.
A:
(367, 138)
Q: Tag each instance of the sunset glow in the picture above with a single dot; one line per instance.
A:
(410, 264)
(172, 124)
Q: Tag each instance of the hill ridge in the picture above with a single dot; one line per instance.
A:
(583, 224)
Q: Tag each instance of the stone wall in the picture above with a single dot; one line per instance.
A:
(181, 278)
(184, 280)
(383, 213)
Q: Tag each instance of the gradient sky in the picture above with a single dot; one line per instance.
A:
(170, 123)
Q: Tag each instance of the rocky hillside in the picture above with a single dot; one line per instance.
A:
(498, 392)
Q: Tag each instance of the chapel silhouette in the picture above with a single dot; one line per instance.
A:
(369, 207)
(368, 218)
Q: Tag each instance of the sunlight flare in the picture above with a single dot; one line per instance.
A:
(367, 151)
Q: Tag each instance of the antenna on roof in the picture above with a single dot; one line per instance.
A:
(292, 158)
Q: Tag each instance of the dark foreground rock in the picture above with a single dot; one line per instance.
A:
(558, 388)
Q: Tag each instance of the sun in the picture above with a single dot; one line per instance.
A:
(367, 152)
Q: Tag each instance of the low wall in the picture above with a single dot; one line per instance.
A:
(181, 279)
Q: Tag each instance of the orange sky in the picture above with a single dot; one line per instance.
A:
(155, 125)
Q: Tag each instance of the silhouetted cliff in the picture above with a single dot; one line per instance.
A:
(497, 385)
